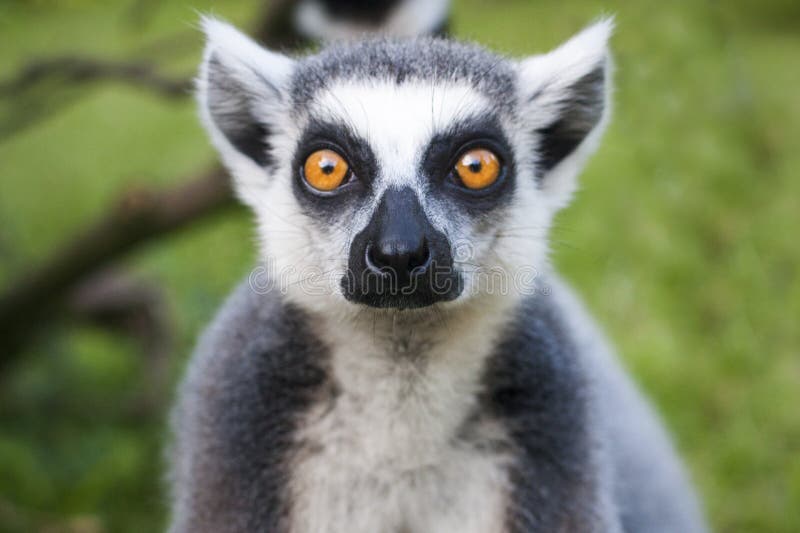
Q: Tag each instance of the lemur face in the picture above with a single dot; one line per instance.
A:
(403, 174)
(402, 208)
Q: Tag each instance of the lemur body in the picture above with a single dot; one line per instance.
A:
(442, 407)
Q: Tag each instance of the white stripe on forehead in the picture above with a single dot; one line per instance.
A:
(398, 121)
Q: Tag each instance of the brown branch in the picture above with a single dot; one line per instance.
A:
(137, 309)
(44, 87)
(140, 216)
(275, 29)
(77, 69)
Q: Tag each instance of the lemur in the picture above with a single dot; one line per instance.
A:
(378, 380)
(330, 20)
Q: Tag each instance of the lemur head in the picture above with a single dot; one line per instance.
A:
(332, 20)
(401, 172)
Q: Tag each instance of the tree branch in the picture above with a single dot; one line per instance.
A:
(75, 69)
(136, 308)
(141, 215)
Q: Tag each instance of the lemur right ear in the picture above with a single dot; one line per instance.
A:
(564, 98)
(242, 87)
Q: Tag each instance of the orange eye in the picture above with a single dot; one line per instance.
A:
(478, 168)
(325, 170)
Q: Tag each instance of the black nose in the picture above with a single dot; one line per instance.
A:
(400, 256)
(407, 260)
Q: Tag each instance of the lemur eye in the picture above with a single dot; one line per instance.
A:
(478, 168)
(325, 170)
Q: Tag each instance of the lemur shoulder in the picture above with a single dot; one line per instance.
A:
(385, 382)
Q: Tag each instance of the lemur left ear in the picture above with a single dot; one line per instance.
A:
(242, 89)
(564, 103)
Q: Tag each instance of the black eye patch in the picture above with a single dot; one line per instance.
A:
(320, 135)
(439, 159)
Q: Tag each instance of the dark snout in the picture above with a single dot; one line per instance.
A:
(400, 260)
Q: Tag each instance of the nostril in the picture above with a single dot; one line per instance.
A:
(373, 261)
(420, 257)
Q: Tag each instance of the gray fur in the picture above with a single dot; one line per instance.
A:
(255, 372)
(423, 58)
(589, 455)
(650, 490)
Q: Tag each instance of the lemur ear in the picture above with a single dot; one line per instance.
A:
(565, 103)
(241, 89)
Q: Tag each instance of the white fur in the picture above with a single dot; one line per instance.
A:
(398, 121)
(408, 19)
(385, 456)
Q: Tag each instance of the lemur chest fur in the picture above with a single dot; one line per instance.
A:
(398, 442)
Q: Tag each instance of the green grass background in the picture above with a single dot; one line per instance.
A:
(683, 240)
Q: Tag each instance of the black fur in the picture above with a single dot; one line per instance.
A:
(535, 387)
(262, 368)
(582, 110)
(231, 106)
(372, 12)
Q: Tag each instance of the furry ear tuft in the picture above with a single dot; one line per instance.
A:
(565, 104)
(239, 87)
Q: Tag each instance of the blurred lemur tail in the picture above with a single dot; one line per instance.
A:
(333, 20)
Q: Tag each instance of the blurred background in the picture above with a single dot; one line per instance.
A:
(118, 239)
